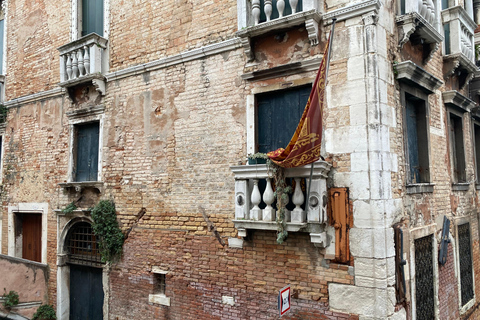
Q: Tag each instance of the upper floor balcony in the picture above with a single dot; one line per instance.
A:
(418, 21)
(84, 60)
(459, 51)
(257, 17)
(255, 200)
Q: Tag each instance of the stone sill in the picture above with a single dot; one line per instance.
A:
(463, 186)
(76, 211)
(79, 186)
(318, 235)
(279, 24)
(96, 79)
(159, 299)
(419, 188)
(268, 225)
(477, 186)
(260, 171)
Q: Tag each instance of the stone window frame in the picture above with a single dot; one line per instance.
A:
(460, 221)
(159, 297)
(475, 122)
(77, 19)
(33, 207)
(424, 187)
(79, 117)
(417, 233)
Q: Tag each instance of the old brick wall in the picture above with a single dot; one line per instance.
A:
(35, 29)
(201, 272)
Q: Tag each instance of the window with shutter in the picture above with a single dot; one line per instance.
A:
(417, 139)
(457, 151)
(87, 138)
(278, 114)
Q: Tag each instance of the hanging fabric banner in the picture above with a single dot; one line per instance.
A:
(304, 147)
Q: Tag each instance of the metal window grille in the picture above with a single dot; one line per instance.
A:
(83, 246)
(159, 284)
(465, 256)
(424, 292)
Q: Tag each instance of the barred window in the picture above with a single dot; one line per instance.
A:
(465, 257)
(82, 246)
(424, 290)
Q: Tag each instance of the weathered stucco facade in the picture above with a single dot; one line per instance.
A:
(173, 91)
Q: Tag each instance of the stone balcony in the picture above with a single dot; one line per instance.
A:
(459, 51)
(258, 17)
(418, 21)
(84, 61)
(254, 201)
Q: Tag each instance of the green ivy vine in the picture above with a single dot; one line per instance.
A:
(105, 226)
(45, 312)
(11, 299)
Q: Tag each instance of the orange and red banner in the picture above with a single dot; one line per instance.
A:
(304, 147)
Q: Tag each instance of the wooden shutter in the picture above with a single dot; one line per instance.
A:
(278, 114)
(32, 237)
(341, 219)
(87, 152)
(2, 26)
(92, 17)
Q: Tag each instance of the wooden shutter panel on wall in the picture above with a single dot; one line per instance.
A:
(342, 220)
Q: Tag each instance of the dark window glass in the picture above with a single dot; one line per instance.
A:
(92, 17)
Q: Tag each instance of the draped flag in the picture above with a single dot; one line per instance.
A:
(304, 147)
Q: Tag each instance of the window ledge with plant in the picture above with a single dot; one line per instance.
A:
(260, 187)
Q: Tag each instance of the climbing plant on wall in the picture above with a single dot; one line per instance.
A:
(105, 226)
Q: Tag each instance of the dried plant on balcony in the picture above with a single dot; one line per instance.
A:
(281, 194)
(10, 299)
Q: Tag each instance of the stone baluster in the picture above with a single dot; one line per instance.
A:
(268, 9)
(256, 212)
(74, 64)
(86, 59)
(298, 215)
(69, 66)
(280, 7)
(81, 67)
(293, 5)
(268, 198)
(256, 11)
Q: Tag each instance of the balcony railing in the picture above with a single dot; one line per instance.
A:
(82, 58)
(459, 31)
(267, 10)
(255, 201)
(425, 8)
(419, 20)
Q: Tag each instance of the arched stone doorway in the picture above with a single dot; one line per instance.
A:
(80, 273)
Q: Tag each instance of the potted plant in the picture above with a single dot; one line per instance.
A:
(45, 312)
(257, 158)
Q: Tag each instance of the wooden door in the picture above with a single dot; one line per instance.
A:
(86, 293)
(32, 237)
